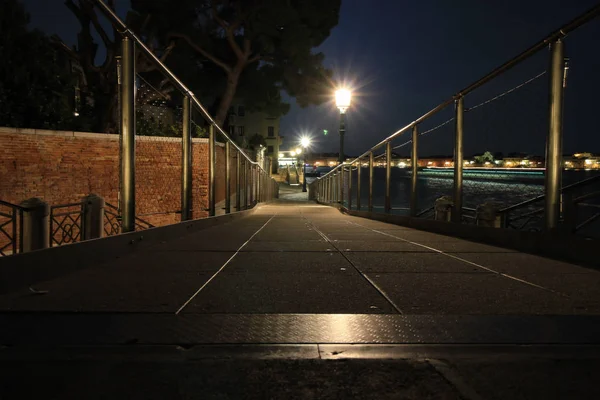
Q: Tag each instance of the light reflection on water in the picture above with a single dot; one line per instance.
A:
(506, 191)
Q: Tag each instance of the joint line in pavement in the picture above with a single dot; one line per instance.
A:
(463, 260)
(222, 267)
(375, 286)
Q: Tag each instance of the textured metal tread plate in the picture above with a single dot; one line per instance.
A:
(79, 329)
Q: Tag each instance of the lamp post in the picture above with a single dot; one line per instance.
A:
(342, 101)
(304, 142)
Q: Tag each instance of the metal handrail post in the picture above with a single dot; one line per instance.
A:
(211, 171)
(358, 185)
(458, 161)
(227, 178)
(238, 197)
(388, 177)
(371, 162)
(341, 199)
(245, 184)
(186, 161)
(350, 187)
(128, 136)
(554, 141)
(415, 167)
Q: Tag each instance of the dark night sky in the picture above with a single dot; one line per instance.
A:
(403, 58)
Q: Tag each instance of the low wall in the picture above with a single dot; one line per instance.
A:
(61, 167)
(554, 245)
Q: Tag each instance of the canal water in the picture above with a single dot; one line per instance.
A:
(500, 186)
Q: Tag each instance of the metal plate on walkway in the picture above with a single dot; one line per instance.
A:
(55, 329)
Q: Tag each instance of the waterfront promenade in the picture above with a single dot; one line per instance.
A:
(297, 300)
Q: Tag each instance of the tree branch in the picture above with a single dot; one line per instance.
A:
(200, 50)
(229, 31)
(254, 59)
(168, 51)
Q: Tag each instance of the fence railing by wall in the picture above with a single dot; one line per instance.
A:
(231, 171)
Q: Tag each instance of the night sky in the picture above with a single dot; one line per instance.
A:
(403, 58)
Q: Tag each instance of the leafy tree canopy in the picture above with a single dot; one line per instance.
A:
(36, 87)
(244, 49)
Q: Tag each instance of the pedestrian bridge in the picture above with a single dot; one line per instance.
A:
(291, 279)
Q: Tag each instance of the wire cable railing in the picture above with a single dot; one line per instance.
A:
(337, 184)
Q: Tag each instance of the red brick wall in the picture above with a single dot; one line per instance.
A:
(62, 167)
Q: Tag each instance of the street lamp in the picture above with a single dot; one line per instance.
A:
(304, 142)
(342, 101)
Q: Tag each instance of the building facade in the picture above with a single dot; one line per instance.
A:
(244, 125)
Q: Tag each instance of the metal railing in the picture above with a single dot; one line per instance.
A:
(249, 173)
(10, 223)
(330, 188)
(66, 223)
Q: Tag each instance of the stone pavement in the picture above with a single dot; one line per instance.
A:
(298, 300)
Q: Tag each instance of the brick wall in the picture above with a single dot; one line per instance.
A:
(62, 167)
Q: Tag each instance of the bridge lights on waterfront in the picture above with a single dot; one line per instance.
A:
(343, 99)
(305, 143)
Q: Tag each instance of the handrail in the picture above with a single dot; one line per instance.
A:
(17, 207)
(556, 35)
(124, 30)
(584, 182)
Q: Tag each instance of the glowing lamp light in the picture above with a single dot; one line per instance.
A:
(280, 155)
(305, 142)
(342, 99)
(298, 151)
(292, 153)
(588, 162)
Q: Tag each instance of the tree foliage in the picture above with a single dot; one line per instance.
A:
(36, 89)
(246, 49)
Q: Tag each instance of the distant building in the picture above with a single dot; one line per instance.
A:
(244, 125)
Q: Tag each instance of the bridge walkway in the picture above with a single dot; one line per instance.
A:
(304, 281)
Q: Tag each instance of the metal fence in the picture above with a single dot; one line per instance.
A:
(500, 107)
(175, 162)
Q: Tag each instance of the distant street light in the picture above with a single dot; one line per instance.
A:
(342, 101)
(305, 143)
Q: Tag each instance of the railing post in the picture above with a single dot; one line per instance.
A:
(358, 184)
(227, 177)
(186, 161)
(371, 162)
(254, 186)
(334, 188)
(211, 171)
(554, 141)
(245, 184)
(458, 161)
(341, 192)
(93, 217)
(415, 167)
(238, 198)
(388, 177)
(350, 187)
(35, 226)
(128, 136)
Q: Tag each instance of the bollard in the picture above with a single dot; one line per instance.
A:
(443, 208)
(93, 217)
(35, 230)
(488, 214)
